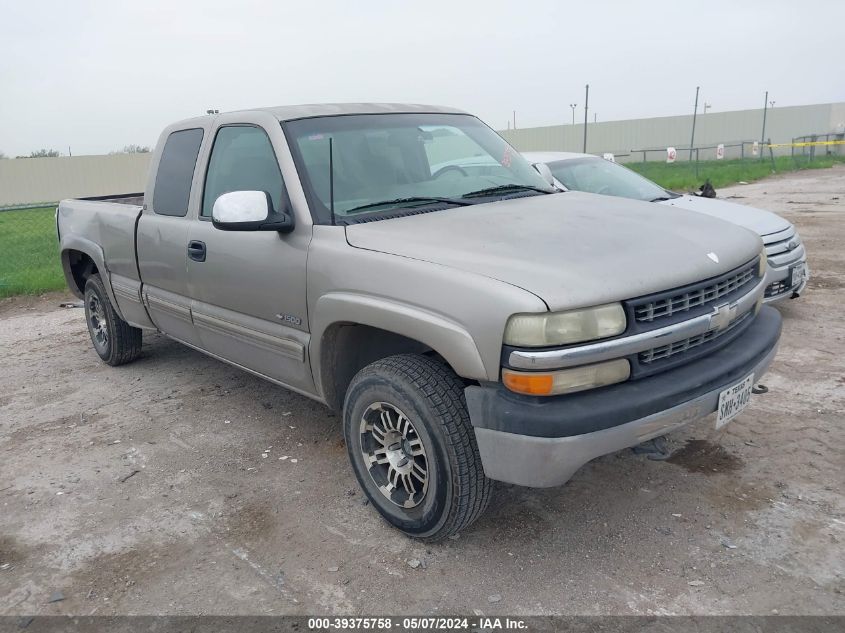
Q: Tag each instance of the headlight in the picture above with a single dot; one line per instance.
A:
(761, 269)
(567, 380)
(562, 328)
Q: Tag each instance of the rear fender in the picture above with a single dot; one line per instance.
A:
(95, 252)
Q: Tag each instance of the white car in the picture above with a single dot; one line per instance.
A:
(787, 272)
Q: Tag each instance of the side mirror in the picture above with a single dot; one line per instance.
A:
(249, 211)
(546, 173)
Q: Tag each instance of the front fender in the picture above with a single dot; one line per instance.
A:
(446, 337)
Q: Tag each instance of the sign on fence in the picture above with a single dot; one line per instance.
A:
(755, 148)
(609, 156)
(720, 151)
(671, 154)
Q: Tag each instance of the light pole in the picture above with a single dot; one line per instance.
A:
(763, 134)
(573, 106)
(586, 109)
(694, 113)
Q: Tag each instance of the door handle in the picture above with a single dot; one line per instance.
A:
(196, 250)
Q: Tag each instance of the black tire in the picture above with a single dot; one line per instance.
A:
(440, 438)
(115, 341)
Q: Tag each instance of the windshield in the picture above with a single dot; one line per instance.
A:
(597, 175)
(387, 164)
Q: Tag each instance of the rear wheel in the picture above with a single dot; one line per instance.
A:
(114, 339)
(412, 446)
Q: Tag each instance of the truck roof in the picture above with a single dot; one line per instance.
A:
(308, 110)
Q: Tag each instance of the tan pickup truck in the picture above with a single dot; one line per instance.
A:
(470, 321)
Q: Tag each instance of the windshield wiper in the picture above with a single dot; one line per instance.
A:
(660, 199)
(490, 191)
(400, 201)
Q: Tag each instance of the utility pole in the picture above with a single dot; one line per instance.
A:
(694, 114)
(573, 106)
(586, 109)
(763, 134)
(514, 119)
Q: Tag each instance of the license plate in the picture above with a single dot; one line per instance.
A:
(798, 272)
(733, 400)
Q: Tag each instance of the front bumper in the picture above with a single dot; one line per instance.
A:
(781, 283)
(541, 442)
(783, 278)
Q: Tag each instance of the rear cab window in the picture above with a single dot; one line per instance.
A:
(176, 171)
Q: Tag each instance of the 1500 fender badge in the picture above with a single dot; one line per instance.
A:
(289, 318)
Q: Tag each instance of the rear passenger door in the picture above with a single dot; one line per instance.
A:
(162, 236)
(248, 294)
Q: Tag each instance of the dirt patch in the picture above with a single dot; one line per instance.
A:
(701, 456)
(35, 303)
(250, 521)
(825, 282)
(12, 551)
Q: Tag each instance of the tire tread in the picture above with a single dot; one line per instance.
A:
(471, 491)
(125, 343)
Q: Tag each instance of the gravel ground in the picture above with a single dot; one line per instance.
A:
(180, 485)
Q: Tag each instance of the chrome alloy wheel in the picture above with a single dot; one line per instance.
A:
(394, 454)
(97, 321)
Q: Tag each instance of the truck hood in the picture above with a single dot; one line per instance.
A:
(570, 249)
(757, 220)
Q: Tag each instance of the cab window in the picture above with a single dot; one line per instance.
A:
(242, 159)
(175, 172)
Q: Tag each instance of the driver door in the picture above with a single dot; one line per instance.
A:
(248, 287)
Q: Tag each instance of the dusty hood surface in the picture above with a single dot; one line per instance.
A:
(757, 220)
(570, 249)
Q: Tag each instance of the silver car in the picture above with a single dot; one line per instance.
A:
(788, 272)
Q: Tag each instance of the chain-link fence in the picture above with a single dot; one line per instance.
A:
(29, 253)
(732, 162)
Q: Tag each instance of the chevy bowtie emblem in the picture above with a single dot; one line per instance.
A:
(792, 245)
(713, 256)
(722, 316)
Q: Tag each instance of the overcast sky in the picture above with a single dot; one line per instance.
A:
(96, 76)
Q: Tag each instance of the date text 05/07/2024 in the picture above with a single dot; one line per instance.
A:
(480, 623)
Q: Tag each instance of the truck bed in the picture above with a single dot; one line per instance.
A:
(105, 226)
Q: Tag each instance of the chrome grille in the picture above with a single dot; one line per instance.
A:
(778, 243)
(665, 351)
(706, 293)
(776, 288)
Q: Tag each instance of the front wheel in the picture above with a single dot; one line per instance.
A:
(115, 341)
(412, 446)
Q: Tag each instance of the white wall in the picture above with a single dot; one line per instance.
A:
(32, 180)
(619, 137)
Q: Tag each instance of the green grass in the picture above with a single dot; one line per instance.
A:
(681, 176)
(29, 252)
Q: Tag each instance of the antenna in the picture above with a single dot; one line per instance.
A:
(331, 179)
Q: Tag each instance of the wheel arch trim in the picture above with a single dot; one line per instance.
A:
(446, 337)
(95, 252)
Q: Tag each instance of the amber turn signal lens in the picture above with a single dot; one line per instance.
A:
(530, 384)
(567, 380)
